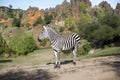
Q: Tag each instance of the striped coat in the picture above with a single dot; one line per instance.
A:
(60, 42)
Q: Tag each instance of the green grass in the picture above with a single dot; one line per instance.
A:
(29, 59)
(103, 52)
(34, 58)
(40, 51)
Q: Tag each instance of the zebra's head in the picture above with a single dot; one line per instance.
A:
(43, 35)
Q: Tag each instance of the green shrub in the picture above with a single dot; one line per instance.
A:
(61, 29)
(4, 49)
(38, 21)
(16, 22)
(81, 51)
(87, 47)
(48, 19)
(22, 44)
(69, 22)
(84, 49)
(83, 7)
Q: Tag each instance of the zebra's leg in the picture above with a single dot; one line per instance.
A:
(57, 57)
(74, 55)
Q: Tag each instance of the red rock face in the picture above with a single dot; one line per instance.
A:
(117, 10)
(31, 15)
(105, 6)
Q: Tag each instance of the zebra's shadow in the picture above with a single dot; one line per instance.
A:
(62, 62)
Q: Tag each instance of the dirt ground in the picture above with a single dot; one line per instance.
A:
(100, 68)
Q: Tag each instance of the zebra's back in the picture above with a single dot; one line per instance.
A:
(70, 41)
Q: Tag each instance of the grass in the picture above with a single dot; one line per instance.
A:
(43, 56)
(43, 50)
(32, 58)
(103, 52)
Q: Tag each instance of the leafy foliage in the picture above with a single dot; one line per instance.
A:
(22, 44)
(84, 49)
(85, 19)
(38, 21)
(83, 7)
(98, 13)
(28, 25)
(48, 19)
(10, 6)
(103, 33)
(104, 30)
(70, 23)
(61, 29)
(111, 20)
(10, 14)
(86, 26)
(16, 22)
(4, 47)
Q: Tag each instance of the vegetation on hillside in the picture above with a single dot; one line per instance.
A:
(4, 48)
(18, 41)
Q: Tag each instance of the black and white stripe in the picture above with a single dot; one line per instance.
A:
(60, 42)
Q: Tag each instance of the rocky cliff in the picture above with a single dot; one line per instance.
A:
(105, 6)
(117, 10)
(72, 9)
(31, 15)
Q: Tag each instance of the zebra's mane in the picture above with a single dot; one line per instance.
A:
(54, 31)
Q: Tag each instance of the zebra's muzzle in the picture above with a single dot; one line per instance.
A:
(39, 40)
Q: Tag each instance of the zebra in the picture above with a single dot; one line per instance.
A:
(60, 43)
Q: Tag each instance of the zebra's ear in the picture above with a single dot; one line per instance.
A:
(44, 27)
(48, 25)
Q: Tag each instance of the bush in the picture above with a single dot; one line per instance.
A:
(16, 22)
(22, 44)
(111, 20)
(61, 29)
(4, 49)
(38, 21)
(69, 22)
(81, 51)
(48, 19)
(103, 33)
(83, 7)
(84, 49)
(87, 47)
(87, 30)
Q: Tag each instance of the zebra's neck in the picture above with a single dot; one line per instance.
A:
(53, 35)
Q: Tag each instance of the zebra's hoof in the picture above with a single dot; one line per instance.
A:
(74, 63)
(56, 66)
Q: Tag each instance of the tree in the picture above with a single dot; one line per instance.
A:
(3, 46)
(85, 18)
(98, 13)
(111, 20)
(84, 22)
(10, 6)
(104, 33)
(10, 13)
(83, 7)
(48, 19)
(28, 25)
(70, 23)
(16, 22)
(38, 21)
(87, 30)
(118, 31)
(61, 29)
